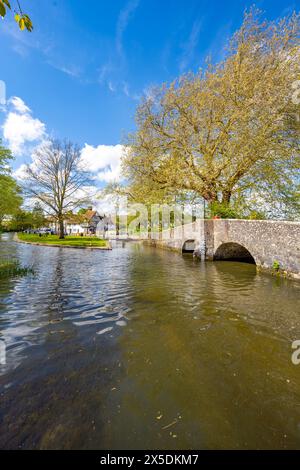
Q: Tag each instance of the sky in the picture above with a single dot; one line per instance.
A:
(81, 73)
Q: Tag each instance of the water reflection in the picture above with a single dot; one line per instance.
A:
(140, 348)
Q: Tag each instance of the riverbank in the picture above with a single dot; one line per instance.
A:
(68, 242)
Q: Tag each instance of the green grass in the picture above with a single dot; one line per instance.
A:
(12, 269)
(68, 240)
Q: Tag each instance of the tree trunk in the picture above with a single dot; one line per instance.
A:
(226, 196)
(61, 228)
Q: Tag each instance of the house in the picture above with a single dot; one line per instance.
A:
(75, 224)
(90, 220)
(78, 224)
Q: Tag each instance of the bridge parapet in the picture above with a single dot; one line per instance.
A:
(269, 241)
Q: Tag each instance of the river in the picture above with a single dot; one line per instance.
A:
(142, 348)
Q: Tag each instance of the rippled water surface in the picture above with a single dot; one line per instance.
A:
(137, 348)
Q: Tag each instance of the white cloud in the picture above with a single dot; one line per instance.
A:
(104, 204)
(111, 87)
(20, 173)
(190, 46)
(19, 105)
(126, 89)
(104, 161)
(20, 127)
(26, 134)
(71, 70)
(104, 72)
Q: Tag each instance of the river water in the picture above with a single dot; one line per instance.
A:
(142, 348)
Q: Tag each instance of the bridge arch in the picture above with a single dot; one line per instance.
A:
(232, 251)
(189, 246)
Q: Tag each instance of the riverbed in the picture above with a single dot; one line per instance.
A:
(138, 348)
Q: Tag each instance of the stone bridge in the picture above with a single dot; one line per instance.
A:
(271, 245)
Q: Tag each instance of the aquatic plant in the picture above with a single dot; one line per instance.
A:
(276, 265)
(13, 268)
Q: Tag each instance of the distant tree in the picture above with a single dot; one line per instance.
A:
(38, 216)
(27, 219)
(228, 130)
(82, 211)
(20, 221)
(10, 192)
(10, 197)
(21, 18)
(57, 179)
(5, 159)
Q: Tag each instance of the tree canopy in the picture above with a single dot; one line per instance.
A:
(229, 131)
(11, 199)
(10, 193)
(5, 159)
(27, 219)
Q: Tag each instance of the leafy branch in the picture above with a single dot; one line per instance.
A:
(21, 18)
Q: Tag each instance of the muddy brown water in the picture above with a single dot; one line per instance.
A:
(142, 348)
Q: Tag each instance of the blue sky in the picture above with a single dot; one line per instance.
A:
(85, 66)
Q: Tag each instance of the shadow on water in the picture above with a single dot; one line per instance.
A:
(141, 348)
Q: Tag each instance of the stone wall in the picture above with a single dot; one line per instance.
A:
(268, 242)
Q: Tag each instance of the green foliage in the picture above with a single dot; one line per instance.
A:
(38, 216)
(276, 265)
(13, 268)
(10, 200)
(3, 5)
(25, 220)
(224, 131)
(21, 18)
(223, 210)
(256, 215)
(24, 22)
(5, 158)
(21, 220)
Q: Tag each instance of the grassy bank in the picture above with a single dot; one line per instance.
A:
(84, 242)
(12, 269)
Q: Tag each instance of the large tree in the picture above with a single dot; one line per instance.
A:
(227, 130)
(57, 179)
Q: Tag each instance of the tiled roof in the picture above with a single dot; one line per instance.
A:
(89, 214)
(76, 218)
